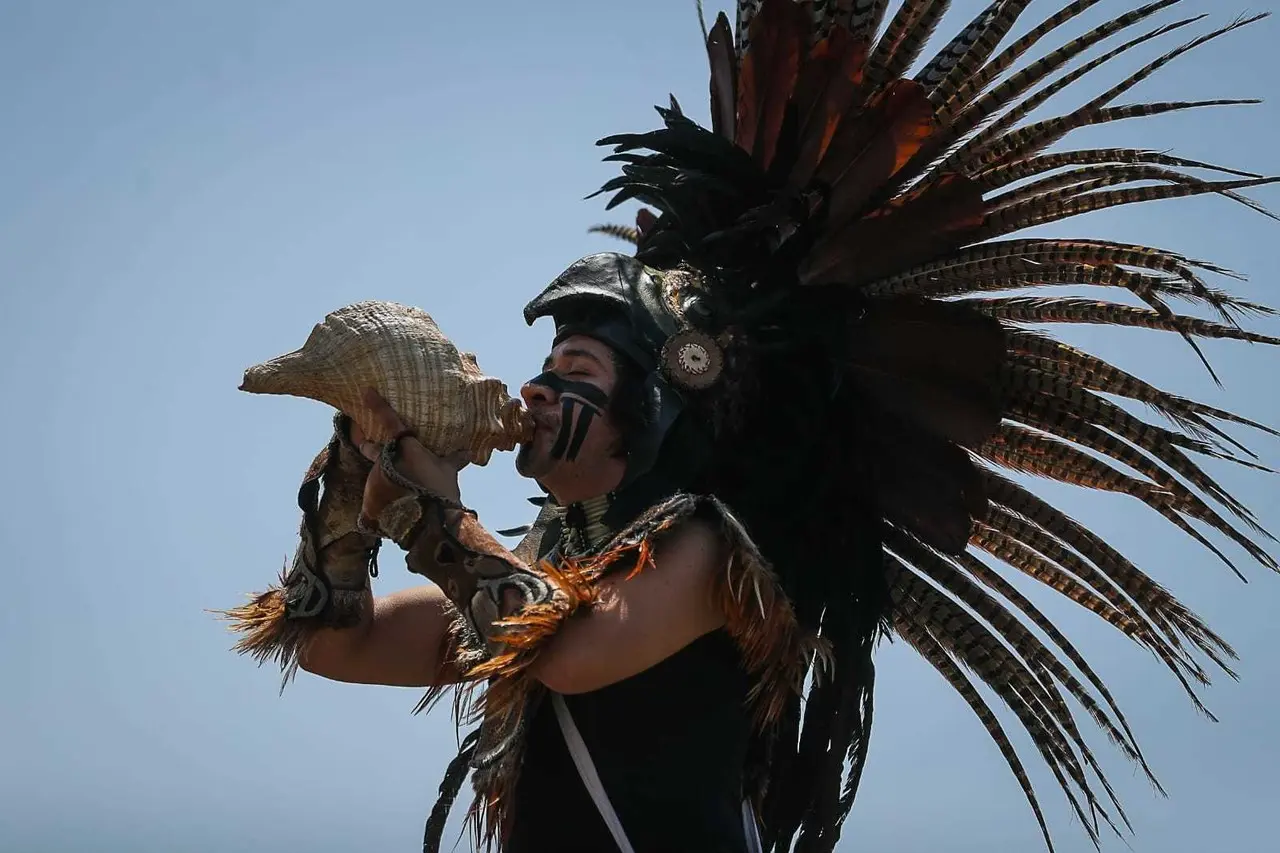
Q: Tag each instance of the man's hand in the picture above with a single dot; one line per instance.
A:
(443, 540)
(415, 462)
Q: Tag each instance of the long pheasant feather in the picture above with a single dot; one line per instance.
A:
(1047, 742)
(985, 575)
(905, 37)
(1051, 522)
(1000, 176)
(978, 81)
(929, 648)
(1024, 80)
(863, 17)
(951, 578)
(970, 48)
(1158, 635)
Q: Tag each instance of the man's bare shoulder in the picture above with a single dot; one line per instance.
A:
(694, 541)
(683, 558)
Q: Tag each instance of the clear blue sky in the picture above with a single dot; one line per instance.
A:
(186, 187)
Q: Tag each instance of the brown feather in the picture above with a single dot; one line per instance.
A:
(906, 49)
(1076, 429)
(930, 365)
(1021, 544)
(1041, 664)
(645, 220)
(895, 34)
(1055, 129)
(1095, 374)
(1051, 401)
(983, 574)
(1052, 524)
(1009, 273)
(978, 81)
(988, 260)
(825, 93)
(1033, 138)
(863, 17)
(1020, 82)
(985, 42)
(911, 230)
(724, 69)
(1070, 310)
(920, 640)
(1022, 450)
(952, 627)
(1047, 570)
(1063, 576)
(1073, 182)
(1018, 170)
(778, 38)
(925, 484)
(868, 148)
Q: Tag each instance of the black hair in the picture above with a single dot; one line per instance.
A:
(627, 404)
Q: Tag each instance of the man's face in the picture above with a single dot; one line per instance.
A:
(576, 359)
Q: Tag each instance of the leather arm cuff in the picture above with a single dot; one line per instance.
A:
(334, 559)
(447, 544)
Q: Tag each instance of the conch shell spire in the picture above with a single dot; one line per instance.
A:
(400, 352)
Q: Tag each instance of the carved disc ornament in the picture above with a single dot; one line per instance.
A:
(692, 360)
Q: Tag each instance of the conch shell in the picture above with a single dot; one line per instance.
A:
(400, 352)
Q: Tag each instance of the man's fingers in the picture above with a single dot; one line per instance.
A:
(459, 459)
(354, 433)
(378, 490)
(383, 415)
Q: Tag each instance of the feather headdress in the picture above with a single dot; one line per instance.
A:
(854, 232)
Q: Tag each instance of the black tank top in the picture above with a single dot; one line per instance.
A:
(669, 745)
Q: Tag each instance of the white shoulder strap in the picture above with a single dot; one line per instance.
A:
(754, 844)
(587, 770)
(591, 779)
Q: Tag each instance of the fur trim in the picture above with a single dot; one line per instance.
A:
(267, 634)
(330, 551)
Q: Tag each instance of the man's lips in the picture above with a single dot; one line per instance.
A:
(545, 422)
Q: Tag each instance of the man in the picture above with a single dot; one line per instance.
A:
(653, 649)
(635, 625)
(635, 651)
(796, 399)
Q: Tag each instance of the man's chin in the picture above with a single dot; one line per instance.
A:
(530, 463)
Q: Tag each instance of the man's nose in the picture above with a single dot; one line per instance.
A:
(536, 395)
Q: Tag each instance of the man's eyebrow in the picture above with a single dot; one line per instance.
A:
(573, 352)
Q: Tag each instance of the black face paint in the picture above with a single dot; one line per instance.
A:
(588, 401)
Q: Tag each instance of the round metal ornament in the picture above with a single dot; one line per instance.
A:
(692, 360)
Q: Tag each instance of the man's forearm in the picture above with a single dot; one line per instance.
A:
(446, 543)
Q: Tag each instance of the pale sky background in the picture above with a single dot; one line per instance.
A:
(186, 187)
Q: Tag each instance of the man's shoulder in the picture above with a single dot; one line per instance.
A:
(695, 542)
(687, 529)
(682, 511)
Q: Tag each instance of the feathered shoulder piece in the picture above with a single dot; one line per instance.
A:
(839, 196)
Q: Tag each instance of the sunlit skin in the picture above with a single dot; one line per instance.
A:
(598, 469)
(636, 624)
